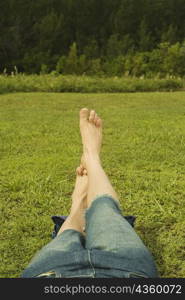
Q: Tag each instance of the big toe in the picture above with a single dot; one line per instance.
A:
(84, 114)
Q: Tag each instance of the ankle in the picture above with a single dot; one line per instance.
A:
(91, 157)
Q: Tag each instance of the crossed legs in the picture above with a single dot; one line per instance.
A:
(105, 227)
(91, 179)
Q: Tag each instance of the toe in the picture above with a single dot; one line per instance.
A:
(92, 116)
(96, 119)
(84, 172)
(79, 171)
(84, 113)
(99, 122)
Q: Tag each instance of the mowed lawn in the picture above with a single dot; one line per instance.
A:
(143, 153)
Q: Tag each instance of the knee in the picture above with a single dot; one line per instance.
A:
(104, 203)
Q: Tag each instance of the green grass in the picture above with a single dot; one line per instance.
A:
(143, 154)
(86, 84)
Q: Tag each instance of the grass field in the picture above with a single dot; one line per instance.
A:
(143, 153)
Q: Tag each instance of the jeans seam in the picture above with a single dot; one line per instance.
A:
(90, 262)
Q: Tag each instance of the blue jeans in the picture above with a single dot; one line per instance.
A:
(111, 248)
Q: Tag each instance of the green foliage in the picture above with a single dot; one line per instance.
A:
(82, 64)
(71, 66)
(166, 60)
(95, 67)
(91, 49)
(85, 84)
(174, 61)
(32, 34)
(44, 69)
(40, 149)
(40, 58)
(145, 39)
(170, 35)
(61, 65)
(115, 66)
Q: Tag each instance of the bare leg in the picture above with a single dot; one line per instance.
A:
(97, 182)
(91, 132)
(76, 219)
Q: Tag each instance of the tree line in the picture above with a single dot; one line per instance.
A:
(104, 37)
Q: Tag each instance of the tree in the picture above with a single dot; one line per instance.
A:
(61, 65)
(39, 32)
(72, 60)
(145, 39)
(174, 61)
(91, 50)
(170, 35)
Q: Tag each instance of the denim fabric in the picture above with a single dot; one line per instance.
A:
(59, 220)
(111, 248)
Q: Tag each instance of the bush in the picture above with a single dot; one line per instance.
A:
(114, 67)
(174, 61)
(166, 60)
(161, 62)
(44, 69)
(61, 65)
(85, 84)
(95, 67)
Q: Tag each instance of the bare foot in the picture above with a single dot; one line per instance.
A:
(76, 218)
(91, 132)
